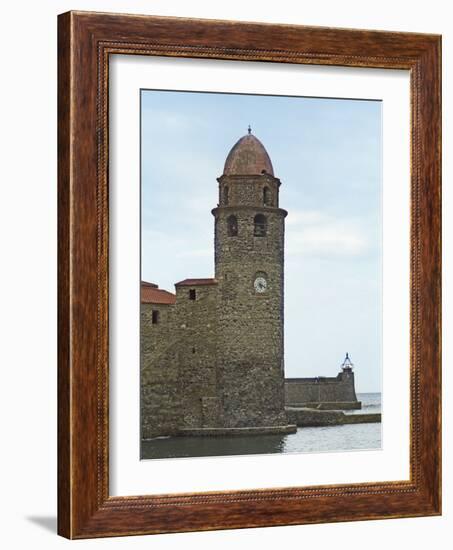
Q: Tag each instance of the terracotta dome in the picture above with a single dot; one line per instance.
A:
(248, 157)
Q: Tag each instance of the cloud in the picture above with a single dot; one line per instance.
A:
(318, 234)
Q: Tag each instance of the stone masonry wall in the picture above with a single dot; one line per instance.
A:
(178, 364)
(196, 325)
(160, 399)
(315, 390)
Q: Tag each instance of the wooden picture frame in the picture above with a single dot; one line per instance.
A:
(85, 42)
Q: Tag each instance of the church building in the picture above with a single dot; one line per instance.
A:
(212, 357)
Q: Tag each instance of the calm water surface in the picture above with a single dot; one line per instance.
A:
(305, 440)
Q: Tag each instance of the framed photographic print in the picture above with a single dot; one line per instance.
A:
(249, 275)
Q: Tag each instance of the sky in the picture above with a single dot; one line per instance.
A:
(327, 154)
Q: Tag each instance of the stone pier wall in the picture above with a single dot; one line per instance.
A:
(314, 391)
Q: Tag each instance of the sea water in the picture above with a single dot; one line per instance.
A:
(347, 437)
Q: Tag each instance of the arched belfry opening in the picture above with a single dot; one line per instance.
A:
(260, 225)
(232, 226)
(267, 196)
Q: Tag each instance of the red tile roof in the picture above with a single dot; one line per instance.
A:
(152, 285)
(197, 282)
(152, 294)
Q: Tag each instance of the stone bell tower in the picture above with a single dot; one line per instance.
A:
(249, 247)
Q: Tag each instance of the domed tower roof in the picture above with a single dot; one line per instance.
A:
(248, 157)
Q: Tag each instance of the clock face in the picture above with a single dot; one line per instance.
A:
(260, 285)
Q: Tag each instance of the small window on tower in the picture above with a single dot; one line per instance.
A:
(260, 225)
(226, 197)
(232, 224)
(155, 317)
(192, 294)
(267, 199)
